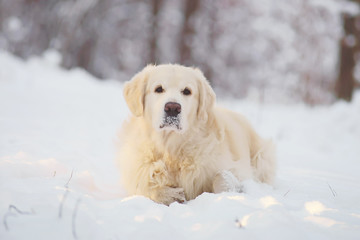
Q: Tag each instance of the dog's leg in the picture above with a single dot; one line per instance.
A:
(225, 181)
(160, 187)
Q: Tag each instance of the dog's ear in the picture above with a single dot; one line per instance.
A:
(206, 97)
(134, 92)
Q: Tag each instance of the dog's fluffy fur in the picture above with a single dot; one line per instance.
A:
(204, 148)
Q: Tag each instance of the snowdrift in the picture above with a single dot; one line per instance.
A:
(58, 178)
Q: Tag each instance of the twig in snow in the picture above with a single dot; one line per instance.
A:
(11, 213)
(67, 184)
(19, 211)
(332, 190)
(74, 218)
(62, 202)
(5, 220)
(238, 223)
(65, 195)
(54, 174)
(287, 193)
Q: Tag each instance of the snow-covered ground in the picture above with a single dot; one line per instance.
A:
(58, 178)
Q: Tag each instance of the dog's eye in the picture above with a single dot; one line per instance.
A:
(159, 89)
(186, 92)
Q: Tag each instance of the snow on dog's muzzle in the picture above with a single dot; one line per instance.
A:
(172, 114)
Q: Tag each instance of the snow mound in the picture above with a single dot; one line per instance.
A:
(58, 179)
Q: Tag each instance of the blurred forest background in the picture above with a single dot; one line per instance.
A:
(270, 50)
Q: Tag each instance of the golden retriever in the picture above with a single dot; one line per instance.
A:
(178, 144)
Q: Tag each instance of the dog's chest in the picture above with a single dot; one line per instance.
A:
(179, 164)
(187, 172)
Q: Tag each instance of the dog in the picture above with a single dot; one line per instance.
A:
(178, 144)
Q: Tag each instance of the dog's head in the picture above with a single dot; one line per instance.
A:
(170, 97)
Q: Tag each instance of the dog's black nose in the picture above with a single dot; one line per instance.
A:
(172, 109)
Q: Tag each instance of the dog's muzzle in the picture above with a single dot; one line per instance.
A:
(172, 112)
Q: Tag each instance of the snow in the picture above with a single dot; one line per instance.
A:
(14, 24)
(58, 178)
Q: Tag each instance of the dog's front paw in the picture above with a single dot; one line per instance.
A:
(169, 195)
(178, 195)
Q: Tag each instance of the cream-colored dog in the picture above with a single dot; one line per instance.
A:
(178, 144)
